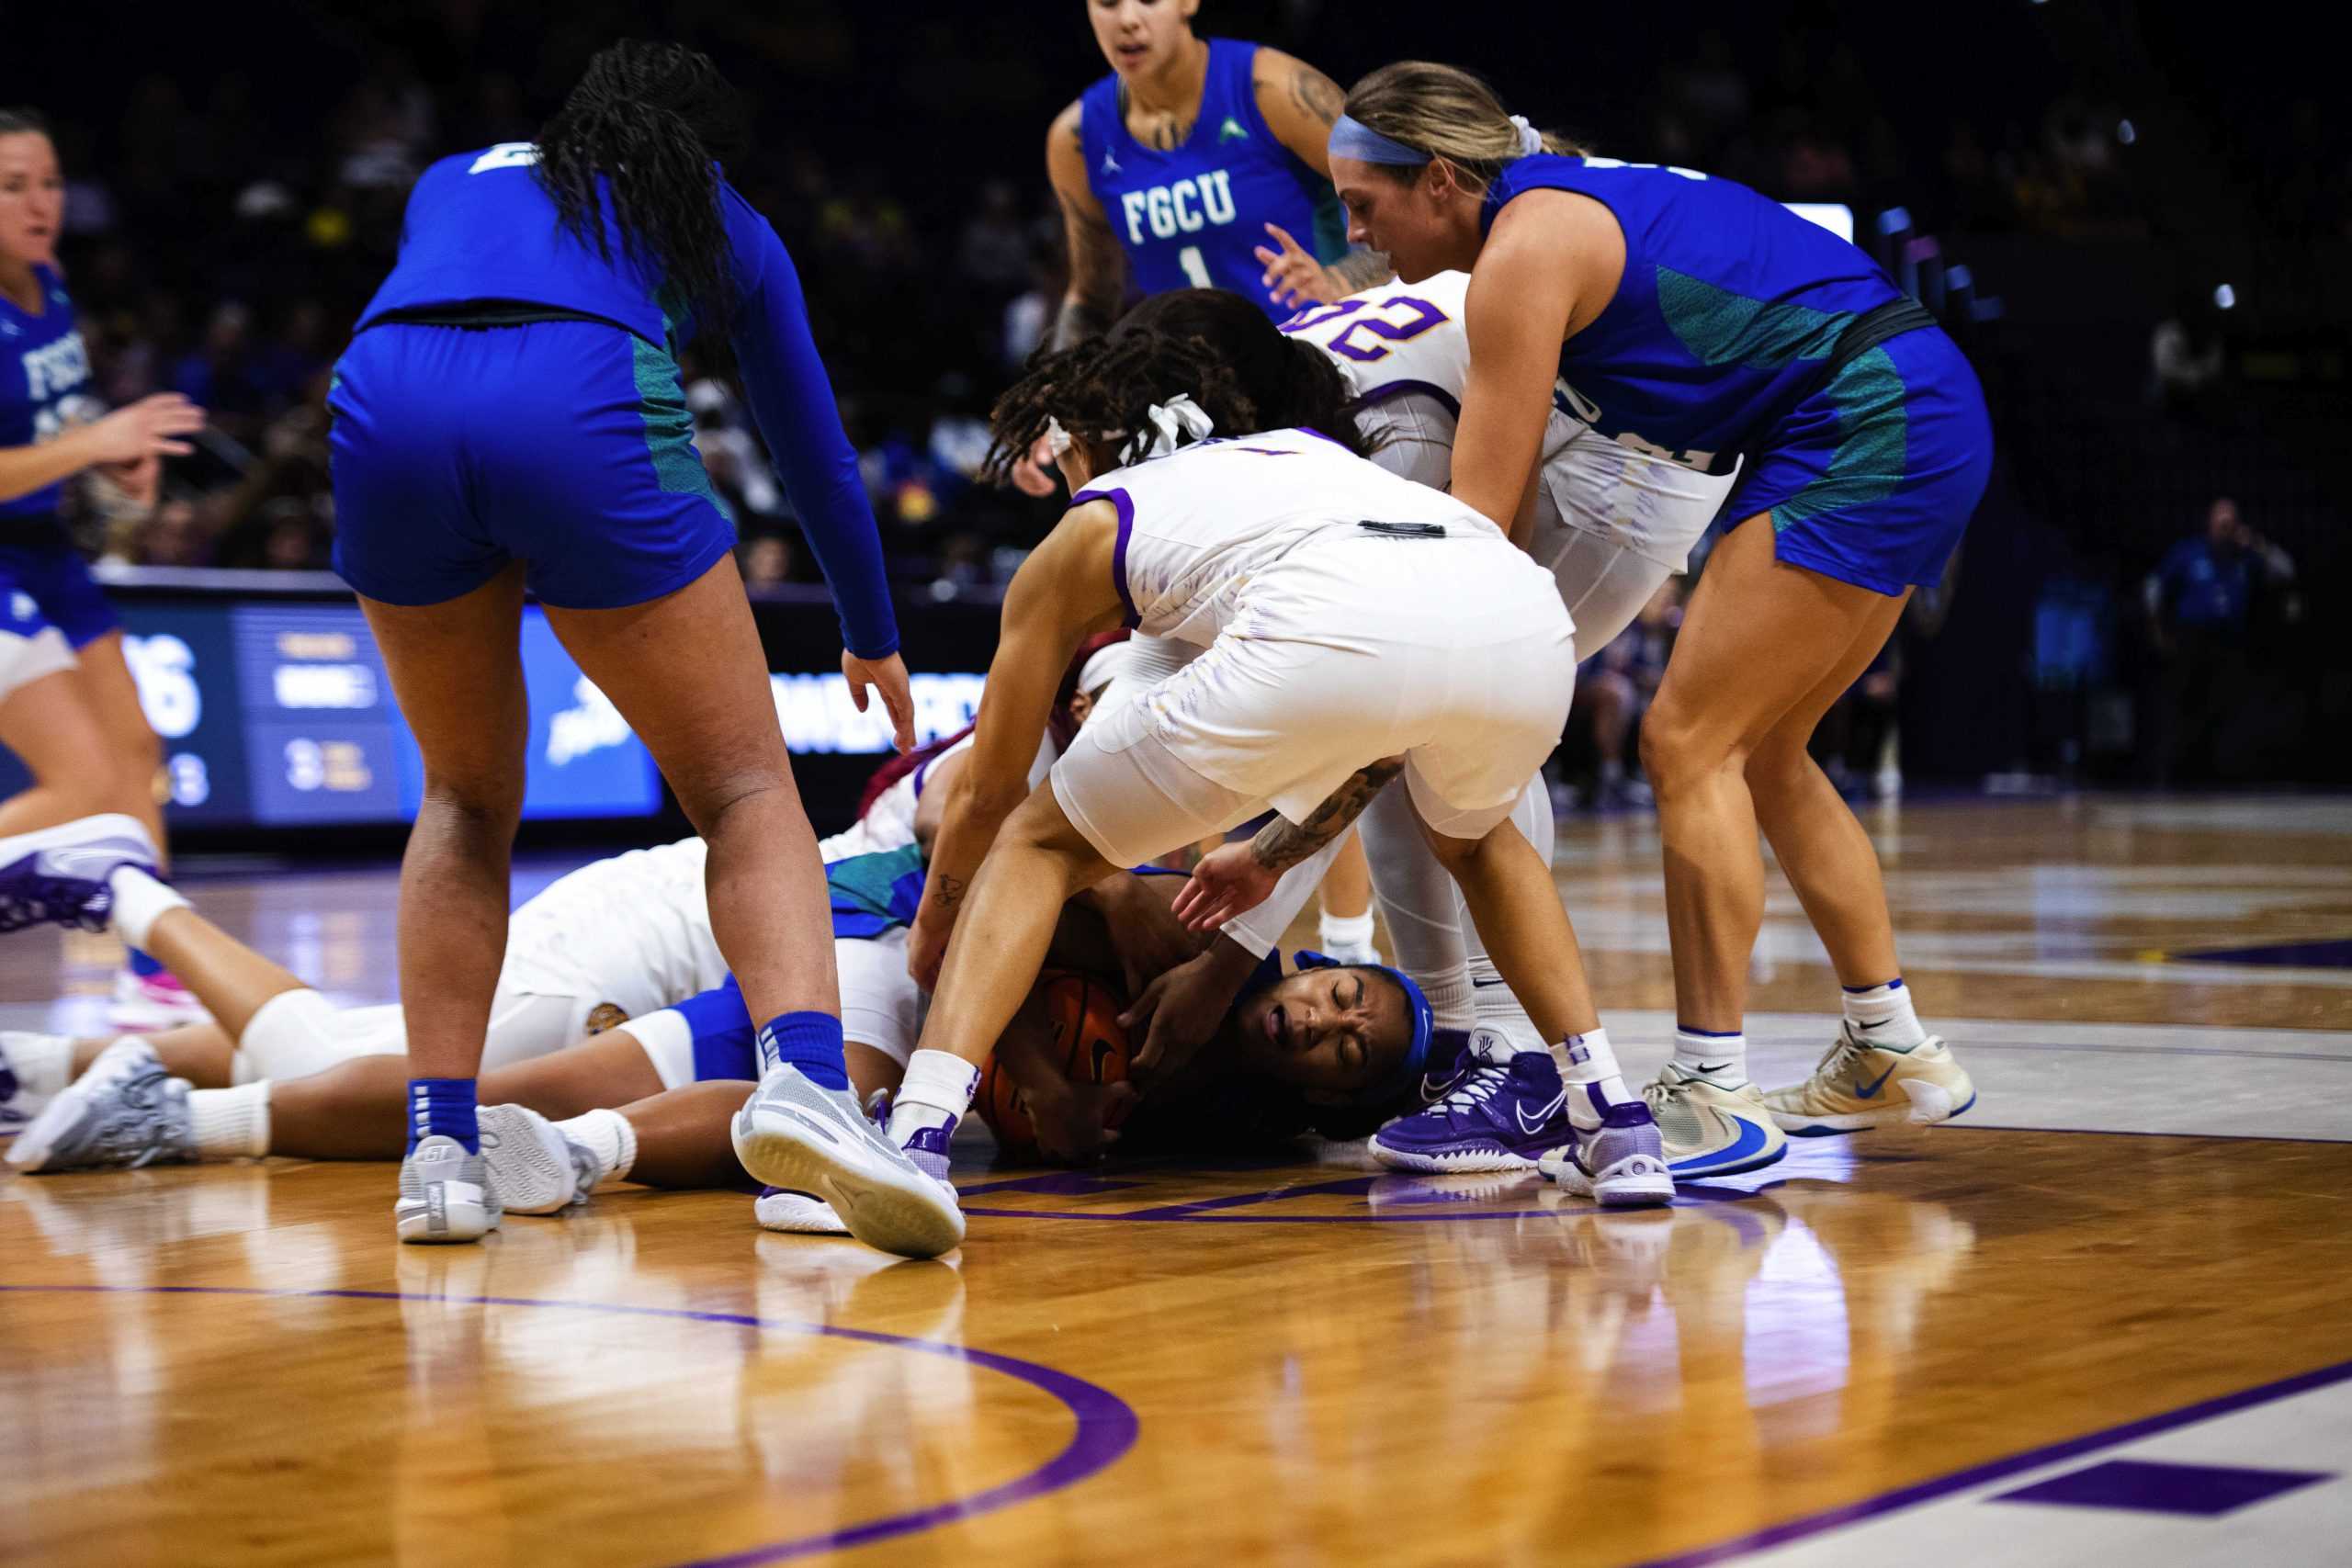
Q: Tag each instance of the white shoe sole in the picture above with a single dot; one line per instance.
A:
(902, 1212)
(1636, 1181)
(107, 824)
(1928, 1103)
(464, 1215)
(532, 1166)
(791, 1214)
(33, 1146)
(1448, 1165)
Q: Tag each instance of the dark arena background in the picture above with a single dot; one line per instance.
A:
(2097, 1318)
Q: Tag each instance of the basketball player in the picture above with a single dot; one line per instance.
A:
(1611, 524)
(1326, 594)
(1689, 318)
(510, 416)
(68, 706)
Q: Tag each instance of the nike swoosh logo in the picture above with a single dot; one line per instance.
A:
(1103, 1053)
(1551, 1110)
(1706, 1067)
(1750, 1144)
(1485, 985)
(1871, 1090)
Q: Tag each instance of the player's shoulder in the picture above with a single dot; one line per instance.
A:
(1066, 143)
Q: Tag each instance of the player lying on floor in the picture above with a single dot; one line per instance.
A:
(652, 1099)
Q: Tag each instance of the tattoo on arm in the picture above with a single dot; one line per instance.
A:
(1097, 277)
(1317, 94)
(950, 890)
(1282, 844)
(1362, 269)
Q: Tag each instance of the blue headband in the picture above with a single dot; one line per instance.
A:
(1417, 1054)
(1350, 138)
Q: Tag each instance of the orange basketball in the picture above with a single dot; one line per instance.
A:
(1087, 1042)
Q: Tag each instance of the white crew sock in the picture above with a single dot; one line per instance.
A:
(231, 1124)
(1588, 1069)
(1453, 1004)
(608, 1136)
(1721, 1059)
(42, 1063)
(1883, 1015)
(139, 902)
(1345, 933)
(1495, 1005)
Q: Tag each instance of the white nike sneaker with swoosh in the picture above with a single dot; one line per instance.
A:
(58, 875)
(1860, 1085)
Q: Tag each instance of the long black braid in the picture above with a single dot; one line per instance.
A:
(1244, 375)
(649, 118)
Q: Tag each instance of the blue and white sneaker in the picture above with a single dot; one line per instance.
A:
(1501, 1111)
(1620, 1164)
(1709, 1130)
(58, 875)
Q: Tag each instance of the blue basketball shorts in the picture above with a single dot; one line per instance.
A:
(1872, 479)
(564, 444)
(49, 607)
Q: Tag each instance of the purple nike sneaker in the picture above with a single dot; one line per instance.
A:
(58, 875)
(1621, 1162)
(1502, 1111)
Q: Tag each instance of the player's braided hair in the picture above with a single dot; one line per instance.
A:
(649, 118)
(1217, 349)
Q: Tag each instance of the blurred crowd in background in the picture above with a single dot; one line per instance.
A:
(231, 206)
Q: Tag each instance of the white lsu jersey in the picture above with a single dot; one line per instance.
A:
(633, 930)
(1199, 526)
(1405, 354)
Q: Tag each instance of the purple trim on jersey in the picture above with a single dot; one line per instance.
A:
(1126, 510)
(1388, 390)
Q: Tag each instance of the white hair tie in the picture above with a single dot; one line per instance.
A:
(1057, 438)
(1531, 141)
(1172, 424)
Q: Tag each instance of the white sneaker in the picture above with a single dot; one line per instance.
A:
(795, 1135)
(446, 1194)
(125, 1112)
(797, 1213)
(534, 1168)
(150, 1003)
(1860, 1085)
(58, 875)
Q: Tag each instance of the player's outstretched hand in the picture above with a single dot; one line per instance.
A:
(889, 676)
(1179, 1012)
(1079, 1127)
(148, 428)
(1228, 881)
(1294, 278)
(1035, 474)
(141, 481)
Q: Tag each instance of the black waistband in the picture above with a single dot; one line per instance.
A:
(35, 531)
(479, 313)
(1869, 329)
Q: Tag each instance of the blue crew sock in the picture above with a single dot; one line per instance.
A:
(810, 1041)
(142, 965)
(442, 1108)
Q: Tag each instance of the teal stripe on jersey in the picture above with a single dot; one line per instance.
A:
(669, 425)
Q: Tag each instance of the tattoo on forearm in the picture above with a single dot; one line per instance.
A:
(950, 890)
(1362, 269)
(1097, 277)
(1281, 843)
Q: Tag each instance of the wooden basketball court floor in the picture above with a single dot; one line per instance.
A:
(2103, 1319)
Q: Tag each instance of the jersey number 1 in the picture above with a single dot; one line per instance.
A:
(1196, 270)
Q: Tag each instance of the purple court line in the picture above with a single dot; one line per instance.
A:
(1107, 1424)
(1168, 1217)
(2002, 1469)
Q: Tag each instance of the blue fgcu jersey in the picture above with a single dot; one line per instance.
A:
(1193, 217)
(44, 382)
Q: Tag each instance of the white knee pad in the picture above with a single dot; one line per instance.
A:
(296, 1033)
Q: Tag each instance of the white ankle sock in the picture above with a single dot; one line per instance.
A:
(139, 902)
(1883, 1015)
(1721, 1059)
(42, 1064)
(607, 1135)
(1588, 1069)
(1345, 931)
(231, 1124)
(936, 1090)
